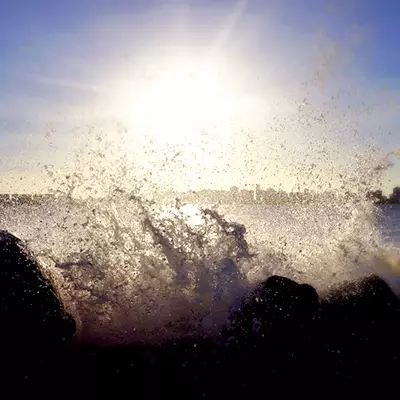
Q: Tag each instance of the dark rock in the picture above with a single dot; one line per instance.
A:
(274, 328)
(273, 306)
(367, 297)
(361, 328)
(31, 312)
(281, 337)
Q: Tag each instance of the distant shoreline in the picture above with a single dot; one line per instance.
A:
(234, 196)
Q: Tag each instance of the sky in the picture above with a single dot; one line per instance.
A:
(193, 94)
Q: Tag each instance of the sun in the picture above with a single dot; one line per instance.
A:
(179, 102)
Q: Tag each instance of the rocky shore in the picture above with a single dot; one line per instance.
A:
(283, 339)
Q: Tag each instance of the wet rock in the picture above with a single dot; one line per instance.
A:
(276, 305)
(281, 336)
(274, 327)
(363, 308)
(360, 329)
(31, 312)
(368, 297)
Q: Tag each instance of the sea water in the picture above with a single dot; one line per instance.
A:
(132, 270)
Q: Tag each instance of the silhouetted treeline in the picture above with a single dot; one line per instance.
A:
(255, 195)
(249, 195)
(279, 197)
(25, 198)
(379, 198)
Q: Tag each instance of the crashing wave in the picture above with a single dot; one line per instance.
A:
(131, 269)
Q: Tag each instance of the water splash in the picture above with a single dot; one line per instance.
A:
(133, 266)
(133, 269)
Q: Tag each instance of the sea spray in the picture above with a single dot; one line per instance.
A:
(132, 269)
(135, 264)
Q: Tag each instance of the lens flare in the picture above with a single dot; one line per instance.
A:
(177, 103)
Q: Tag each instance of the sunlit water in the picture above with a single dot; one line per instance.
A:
(134, 270)
(390, 224)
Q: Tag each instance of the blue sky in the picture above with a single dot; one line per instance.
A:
(67, 65)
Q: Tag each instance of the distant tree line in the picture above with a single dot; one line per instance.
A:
(379, 198)
(254, 195)
(270, 196)
(18, 199)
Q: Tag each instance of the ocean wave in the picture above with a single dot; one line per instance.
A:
(131, 269)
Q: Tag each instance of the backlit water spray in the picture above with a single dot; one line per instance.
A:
(136, 263)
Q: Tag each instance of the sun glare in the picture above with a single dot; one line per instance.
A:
(181, 102)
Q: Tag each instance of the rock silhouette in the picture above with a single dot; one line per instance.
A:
(282, 337)
(34, 324)
(30, 309)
